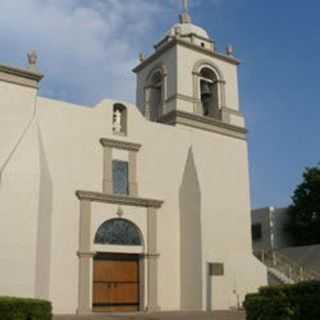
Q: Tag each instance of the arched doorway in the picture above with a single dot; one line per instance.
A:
(116, 276)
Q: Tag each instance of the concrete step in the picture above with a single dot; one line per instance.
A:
(177, 315)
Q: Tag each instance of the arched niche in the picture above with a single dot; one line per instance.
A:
(120, 119)
(155, 93)
(118, 231)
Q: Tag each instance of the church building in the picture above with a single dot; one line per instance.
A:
(123, 207)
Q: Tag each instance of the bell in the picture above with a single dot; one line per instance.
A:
(205, 89)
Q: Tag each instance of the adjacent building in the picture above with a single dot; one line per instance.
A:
(269, 229)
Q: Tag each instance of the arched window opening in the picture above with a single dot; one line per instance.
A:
(209, 93)
(118, 232)
(156, 87)
(119, 121)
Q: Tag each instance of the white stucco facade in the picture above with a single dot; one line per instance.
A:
(191, 198)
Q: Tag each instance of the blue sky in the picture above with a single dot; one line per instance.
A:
(87, 48)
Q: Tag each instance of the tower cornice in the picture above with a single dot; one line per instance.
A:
(175, 42)
(204, 123)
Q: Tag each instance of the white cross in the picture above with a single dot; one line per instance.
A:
(186, 6)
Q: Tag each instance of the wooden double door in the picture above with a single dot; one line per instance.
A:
(116, 283)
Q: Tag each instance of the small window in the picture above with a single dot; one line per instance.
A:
(216, 269)
(120, 171)
(256, 231)
(203, 45)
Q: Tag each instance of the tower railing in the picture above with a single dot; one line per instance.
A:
(291, 269)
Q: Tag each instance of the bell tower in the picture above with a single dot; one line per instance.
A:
(187, 82)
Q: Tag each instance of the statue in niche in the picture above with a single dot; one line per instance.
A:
(117, 119)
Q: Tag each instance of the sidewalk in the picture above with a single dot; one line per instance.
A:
(172, 315)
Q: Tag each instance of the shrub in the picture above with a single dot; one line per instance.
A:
(259, 307)
(24, 309)
(288, 302)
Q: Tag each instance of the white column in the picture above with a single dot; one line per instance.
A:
(222, 93)
(152, 261)
(85, 259)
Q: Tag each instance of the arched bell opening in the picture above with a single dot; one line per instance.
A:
(209, 93)
(155, 93)
(156, 96)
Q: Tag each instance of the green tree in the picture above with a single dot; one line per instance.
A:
(304, 212)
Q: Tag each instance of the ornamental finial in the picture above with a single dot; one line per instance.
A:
(185, 16)
(32, 60)
(229, 50)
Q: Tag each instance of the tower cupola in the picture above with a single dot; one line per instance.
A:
(187, 31)
(186, 81)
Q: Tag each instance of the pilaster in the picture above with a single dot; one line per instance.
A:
(152, 260)
(85, 282)
(147, 102)
(85, 259)
(107, 170)
(133, 183)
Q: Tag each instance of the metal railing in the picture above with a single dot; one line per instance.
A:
(292, 270)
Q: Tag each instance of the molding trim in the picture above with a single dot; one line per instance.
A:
(232, 111)
(199, 65)
(150, 255)
(204, 123)
(192, 34)
(183, 97)
(176, 41)
(161, 67)
(161, 42)
(119, 144)
(19, 76)
(87, 254)
(118, 199)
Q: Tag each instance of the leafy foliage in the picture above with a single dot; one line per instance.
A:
(304, 212)
(24, 309)
(288, 302)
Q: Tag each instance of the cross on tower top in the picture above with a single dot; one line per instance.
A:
(185, 6)
(185, 17)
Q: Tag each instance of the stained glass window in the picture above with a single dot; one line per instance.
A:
(120, 177)
(118, 232)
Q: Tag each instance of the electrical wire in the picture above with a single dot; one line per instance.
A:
(20, 138)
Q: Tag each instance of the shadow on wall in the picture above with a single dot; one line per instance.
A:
(43, 256)
(190, 237)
